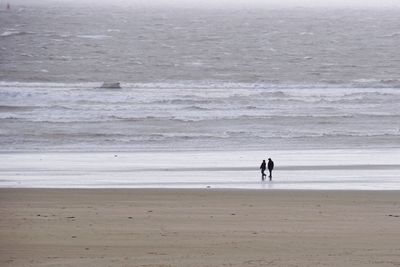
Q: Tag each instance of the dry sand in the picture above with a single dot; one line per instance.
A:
(61, 227)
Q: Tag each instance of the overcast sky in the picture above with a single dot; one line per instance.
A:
(228, 3)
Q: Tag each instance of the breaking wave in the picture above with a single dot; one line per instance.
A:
(194, 116)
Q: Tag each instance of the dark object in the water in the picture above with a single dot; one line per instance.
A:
(107, 85)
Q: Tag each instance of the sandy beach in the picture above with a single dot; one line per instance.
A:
(169, 227)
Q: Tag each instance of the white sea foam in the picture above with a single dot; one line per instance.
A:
(12, 33)
(195, 116)
(94, 36)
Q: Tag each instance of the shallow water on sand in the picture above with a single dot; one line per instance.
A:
(353, 169)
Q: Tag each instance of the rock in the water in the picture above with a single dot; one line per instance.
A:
(108, 85)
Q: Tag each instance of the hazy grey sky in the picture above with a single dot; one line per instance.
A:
(229, 3)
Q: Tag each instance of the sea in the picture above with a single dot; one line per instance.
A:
(309, 87)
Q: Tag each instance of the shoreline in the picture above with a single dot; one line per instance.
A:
(307, 169)
(198, 227)
(196, 150)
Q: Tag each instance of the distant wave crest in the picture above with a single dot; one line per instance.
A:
(14, 33)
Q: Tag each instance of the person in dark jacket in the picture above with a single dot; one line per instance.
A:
(270, 168)
(263, 167)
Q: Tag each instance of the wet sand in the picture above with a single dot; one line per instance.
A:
(329, 169)
(194, 227)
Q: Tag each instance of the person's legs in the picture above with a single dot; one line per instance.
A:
(270, 175)
(263, 175)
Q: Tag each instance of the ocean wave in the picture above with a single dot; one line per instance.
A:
(360, 100)
(376, 83)
(233, 119)
(65, 120)
(365, 98)
(173, 137)
(267, 94)
(14, 33)
(371, 94)
(94, 36)
(183, 101)
(197, 108)
(306, 33)
(49, 85)
(98, 137)
(187, 136)
(4, 108)
(394, 34)
(274, 89)
(251, 107)
(346, 135)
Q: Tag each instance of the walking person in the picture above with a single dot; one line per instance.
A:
(263, 167)
(270, 168)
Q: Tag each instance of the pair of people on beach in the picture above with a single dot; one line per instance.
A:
(264, 166)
